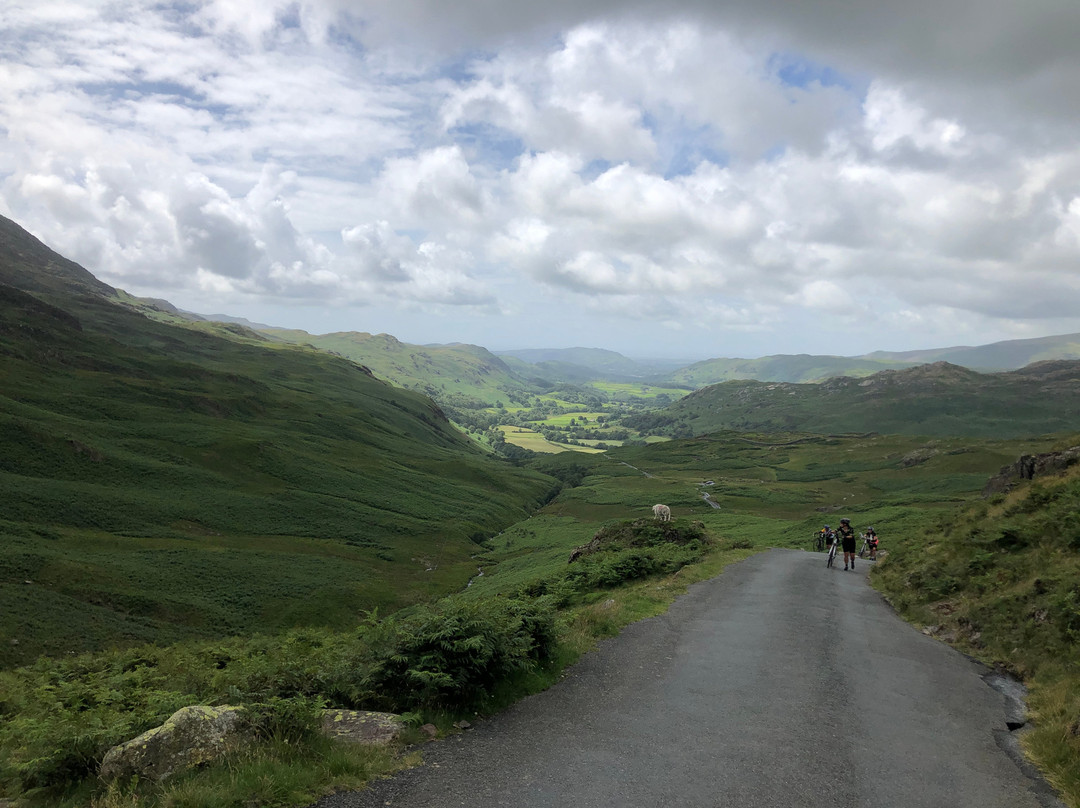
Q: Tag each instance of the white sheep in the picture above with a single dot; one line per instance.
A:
(662, 512)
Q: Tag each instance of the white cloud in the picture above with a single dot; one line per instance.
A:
(393, 266)
(435, 188)
(738, 166)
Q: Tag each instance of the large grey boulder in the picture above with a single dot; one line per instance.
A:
(357, 726)
(191, 737)
(1028, 467)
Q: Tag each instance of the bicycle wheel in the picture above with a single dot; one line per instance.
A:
(832, 555)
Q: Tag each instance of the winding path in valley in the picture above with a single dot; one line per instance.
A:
(777, 683)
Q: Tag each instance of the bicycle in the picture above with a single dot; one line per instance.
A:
(832, 551)
(822, 538)
(869, 546)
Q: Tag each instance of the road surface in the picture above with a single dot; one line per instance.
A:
(777, 684)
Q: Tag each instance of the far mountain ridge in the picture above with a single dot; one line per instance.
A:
(599, 360)
(1005, 355)
(937, 399)
(580, 365)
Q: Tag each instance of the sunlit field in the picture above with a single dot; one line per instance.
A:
(621, 390)
(534, 441)
(586, 419)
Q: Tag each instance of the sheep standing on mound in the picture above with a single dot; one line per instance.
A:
(662, 512)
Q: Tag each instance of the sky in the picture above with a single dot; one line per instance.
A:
(711, 178)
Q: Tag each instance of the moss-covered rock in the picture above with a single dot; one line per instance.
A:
(362, 727)
(191, 737)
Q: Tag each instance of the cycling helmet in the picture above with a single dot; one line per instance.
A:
(845, 521)
(827, 527)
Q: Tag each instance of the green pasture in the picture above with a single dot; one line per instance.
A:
(584, 418)
(626, 390)
(535, 442)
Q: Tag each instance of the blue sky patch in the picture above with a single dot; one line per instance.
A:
(488, 144)
(798, 71)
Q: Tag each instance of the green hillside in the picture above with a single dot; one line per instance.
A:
(465, 374)
(939, 399)
(160, 482)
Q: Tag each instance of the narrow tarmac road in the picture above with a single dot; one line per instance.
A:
(778, 683)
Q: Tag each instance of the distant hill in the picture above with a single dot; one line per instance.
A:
(454, 373)
(603, 364)
(936, 399)
(1008, 355)
(161, 482)
(536, 369)
(800, 368)
(779, 368)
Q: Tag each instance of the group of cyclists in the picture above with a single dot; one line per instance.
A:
(845, 537)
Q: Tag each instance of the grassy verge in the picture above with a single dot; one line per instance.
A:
(275, 774)
(1000, 580)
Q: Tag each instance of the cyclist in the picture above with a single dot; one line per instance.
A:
(846, 533)
(872, 540)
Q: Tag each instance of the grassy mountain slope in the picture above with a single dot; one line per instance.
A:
(467, 371)
(160, 482)
(938, 399)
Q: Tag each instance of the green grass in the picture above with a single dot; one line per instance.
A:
(273, 775)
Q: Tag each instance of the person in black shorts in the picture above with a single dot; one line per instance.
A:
(847, 540)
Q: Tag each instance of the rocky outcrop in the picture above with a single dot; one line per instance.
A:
(198, 735)
(586, 549)
(191, 737)
(356, 726)
(917, 457)
(1028, 467)
(647, 532)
